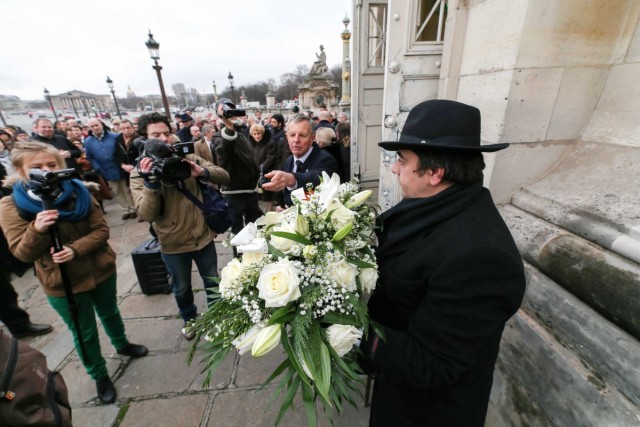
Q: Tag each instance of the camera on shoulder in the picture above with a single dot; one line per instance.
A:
(168, 160)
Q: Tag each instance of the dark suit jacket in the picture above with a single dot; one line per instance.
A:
(319, 160)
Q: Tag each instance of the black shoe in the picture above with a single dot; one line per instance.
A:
(33, 330)
(106, 390)
(188, 332)
(134, 350)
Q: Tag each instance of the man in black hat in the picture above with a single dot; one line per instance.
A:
(450, 276)
(185, 128)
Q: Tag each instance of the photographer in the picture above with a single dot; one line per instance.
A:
(87, 257)
(182, 231)
(235, 154)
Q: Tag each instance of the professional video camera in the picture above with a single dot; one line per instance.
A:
(48, 184)
(168, 160)
(229, 109)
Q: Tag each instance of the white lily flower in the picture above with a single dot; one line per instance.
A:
(267, 339)
(246, 235)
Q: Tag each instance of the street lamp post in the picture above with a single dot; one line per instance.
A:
(230, 77)
(74, 105)
(215, 92)
(154, 52)
(113, 92)
(48, 98)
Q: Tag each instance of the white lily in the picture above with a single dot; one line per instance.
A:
(246, 235)
(256, 246)
(267, 339)
(329, 188)
(245, 342)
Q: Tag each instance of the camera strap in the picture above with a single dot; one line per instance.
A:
(181, 188)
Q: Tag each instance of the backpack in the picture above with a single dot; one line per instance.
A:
(30, 394)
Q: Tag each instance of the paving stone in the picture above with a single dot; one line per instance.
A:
(127, 278)
(221, 379)
(253, 371)
(156, 335)
(157, 374)
(249, 408)
(170, 412)
(57, 345)
(37, 298)
(98, 416)
(140, 305)
(82, 388)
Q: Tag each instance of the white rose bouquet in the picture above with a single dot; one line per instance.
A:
(300, 282)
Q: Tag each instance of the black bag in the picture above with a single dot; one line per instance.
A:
(217, 213)
(30, 394)
(153, 277)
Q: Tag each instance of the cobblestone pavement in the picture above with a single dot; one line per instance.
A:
(160, 389)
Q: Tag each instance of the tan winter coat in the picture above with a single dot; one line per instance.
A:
(94, 260)
(179, 223)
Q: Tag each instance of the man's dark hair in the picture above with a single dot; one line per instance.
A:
(462, 168)
(147, 119)
(279, 118)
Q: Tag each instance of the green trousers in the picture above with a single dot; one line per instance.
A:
(103, 300)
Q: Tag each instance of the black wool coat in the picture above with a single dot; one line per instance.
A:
(450, 277)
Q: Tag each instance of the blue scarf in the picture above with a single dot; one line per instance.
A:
(72, 190)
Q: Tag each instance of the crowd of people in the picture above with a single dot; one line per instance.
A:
(110, 159)
(450, 274)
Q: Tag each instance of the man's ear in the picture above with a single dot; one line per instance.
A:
(436, 176)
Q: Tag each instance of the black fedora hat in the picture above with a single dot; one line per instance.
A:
(443, 125)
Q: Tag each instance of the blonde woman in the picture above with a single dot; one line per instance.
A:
(88, 258)
(326, 139)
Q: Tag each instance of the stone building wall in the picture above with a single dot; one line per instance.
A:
(560, 81)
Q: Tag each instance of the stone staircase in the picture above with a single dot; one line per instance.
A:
(571, 356)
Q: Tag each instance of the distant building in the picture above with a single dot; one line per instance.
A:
(130, 92)
(11, 102)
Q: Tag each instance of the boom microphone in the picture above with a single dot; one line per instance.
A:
(156, 148)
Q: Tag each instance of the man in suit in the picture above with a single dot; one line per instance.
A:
(450, 276)
(202, 146)
(305, 164)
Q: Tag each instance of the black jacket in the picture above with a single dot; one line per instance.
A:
(264, 152)
(450, 277)
(317, 162)
(236, 157)
(125, 155)
(62, 143)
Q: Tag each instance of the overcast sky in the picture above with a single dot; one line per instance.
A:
(65, 44)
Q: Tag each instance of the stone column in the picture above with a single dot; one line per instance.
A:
(271, 100)
(345, 102)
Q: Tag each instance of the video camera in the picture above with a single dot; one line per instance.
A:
(48, 184)
(168, 160)
(229, 109)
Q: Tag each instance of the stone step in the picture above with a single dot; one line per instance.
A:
(605, 281)
(539, 382)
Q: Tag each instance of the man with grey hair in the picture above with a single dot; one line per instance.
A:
(196, 134)
(305, 164)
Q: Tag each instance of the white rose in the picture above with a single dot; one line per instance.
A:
(282, 243)
(342, 338)
(251, 258)
(341, 216)
(278, 284)
(231, 272)
(368, 279)
(344, 274)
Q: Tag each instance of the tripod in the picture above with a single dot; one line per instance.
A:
(48, 204)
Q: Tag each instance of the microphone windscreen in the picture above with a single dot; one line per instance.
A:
(157, 148)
